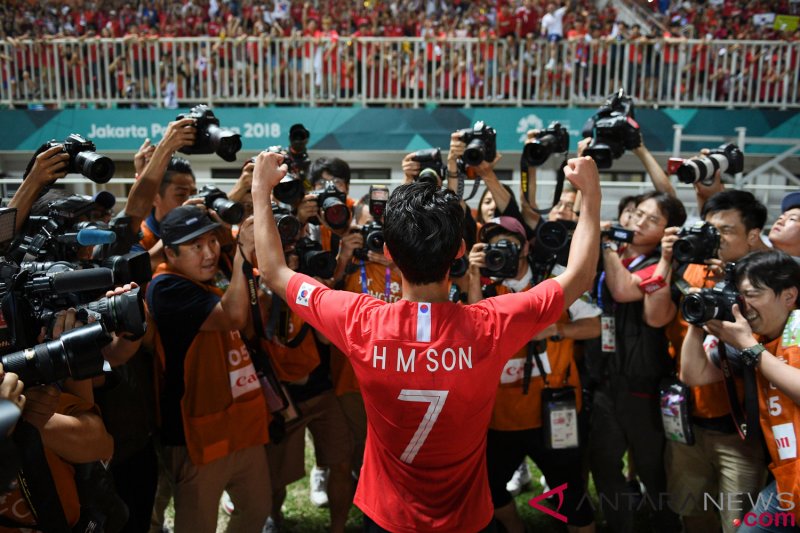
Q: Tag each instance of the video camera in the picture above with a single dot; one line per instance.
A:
(554, 139)
(715, 303)
(618, 234)
(228, 210)
(210, 138)
(431, 167)
(696, 243)
(84, 159)
(612, 129)
(727, 158)
(481, 141)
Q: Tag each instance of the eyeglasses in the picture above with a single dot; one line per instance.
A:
(641, 216)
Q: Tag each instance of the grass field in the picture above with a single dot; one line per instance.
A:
(300, 516)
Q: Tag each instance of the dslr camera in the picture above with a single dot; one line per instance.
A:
(431, 167)
(333, 205)
(373, 231)
(294, 185)
(213, 198)
(502, 260)
(696, 243)
(612, 129)
(210, 138)
(715, 303)
(728, 159)
(314, 261)
(288, 224)
(554, 139)
(84, 159)
(481, 141)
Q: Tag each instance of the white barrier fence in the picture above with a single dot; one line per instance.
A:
(397, 71)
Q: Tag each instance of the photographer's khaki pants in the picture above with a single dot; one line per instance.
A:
(244, 474)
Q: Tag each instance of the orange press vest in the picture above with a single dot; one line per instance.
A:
(780, 418)
(223, 407)
(515, 411)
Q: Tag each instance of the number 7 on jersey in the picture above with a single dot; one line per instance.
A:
(435, 399)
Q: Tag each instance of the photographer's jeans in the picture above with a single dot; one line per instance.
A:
(768, 515)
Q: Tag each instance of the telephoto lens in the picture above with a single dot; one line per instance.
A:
(76, 354)
(121, 313)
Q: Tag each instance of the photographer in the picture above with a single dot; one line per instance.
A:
(764, 332)
(515, 430)
(164, 183)
(213, 417)
(59, 429)
(785, 233)
(626, 403)
(719, 461)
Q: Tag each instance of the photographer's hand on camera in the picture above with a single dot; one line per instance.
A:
(737, 334)
(477, 261)
(308, 209)
(11, 388)
(143, 156)
(243, 184)
(350, 243)
(48, 166)
(411, 167)
(457, 147)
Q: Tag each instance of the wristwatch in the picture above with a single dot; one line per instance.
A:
(751, 356)
(610, 245)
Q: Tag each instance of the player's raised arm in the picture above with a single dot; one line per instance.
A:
(585, 248)
(269, 170)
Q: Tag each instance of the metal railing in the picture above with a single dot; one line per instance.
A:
(397, 71)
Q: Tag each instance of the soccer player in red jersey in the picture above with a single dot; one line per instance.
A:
(428, 368)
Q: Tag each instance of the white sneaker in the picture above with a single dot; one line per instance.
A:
(318, 486)
(227, 503)
(543, 483)
(520, 479)
(551, 64)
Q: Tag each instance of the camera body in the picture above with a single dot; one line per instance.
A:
(314, 261)
(714, 303)
(481, 141)
(84, 159)
(294, 185)
(333, 205)
(430, 162)
(619, 234)
(373, 240)
(727, 158)
(502, 260)
(210, 138)
(696, 243)
(554, 139)
(213, 198)
(613, 130)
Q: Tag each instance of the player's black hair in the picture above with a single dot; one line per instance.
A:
(423, 230)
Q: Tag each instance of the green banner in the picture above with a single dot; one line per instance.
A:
(354, 128)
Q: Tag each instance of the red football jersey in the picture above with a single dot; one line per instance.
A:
(429, 374)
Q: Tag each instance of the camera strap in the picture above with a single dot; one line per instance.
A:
(747, 422)
(534, 349)
(387, 289)
(462, 174)
(523, 171)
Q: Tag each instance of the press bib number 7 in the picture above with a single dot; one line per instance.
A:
(435, 400)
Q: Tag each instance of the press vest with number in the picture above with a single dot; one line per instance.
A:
(780, 418)
(642, 355)
(222, 407)
(514, 410)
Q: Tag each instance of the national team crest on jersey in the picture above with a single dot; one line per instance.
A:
(304, 293)
(423, 322)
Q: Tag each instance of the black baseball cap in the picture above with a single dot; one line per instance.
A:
(185, 223)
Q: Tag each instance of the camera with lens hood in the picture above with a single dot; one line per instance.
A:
(314, 261)
(288, 224)
(502, 259)
(209, 137)
(431, 166)
(228, 210)
(333, 206)
(696, 244)
(728, 159)
(481, 141)
(84, 159)
(555, 139)
(715, 303)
